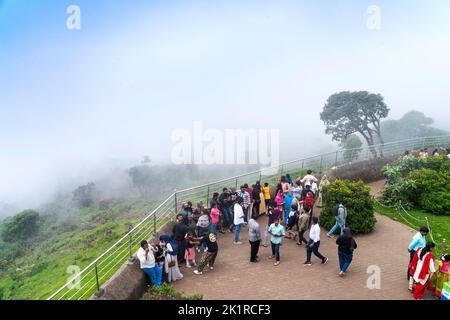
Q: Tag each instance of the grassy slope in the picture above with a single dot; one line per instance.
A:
(440, 225)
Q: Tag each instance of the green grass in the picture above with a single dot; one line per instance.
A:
(440, 225)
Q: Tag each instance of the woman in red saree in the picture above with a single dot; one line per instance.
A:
(421, 269)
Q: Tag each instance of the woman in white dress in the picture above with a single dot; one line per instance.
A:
(170, 259)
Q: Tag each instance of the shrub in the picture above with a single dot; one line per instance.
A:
(360, 210)
(419, 183)
(22, 226)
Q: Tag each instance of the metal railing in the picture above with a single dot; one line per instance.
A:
(89, 281)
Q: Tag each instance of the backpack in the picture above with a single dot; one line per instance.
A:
(335, 210)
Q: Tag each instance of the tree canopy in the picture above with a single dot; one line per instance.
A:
(413, 124)
(346, 113)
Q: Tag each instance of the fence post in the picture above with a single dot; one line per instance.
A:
(176, 204)
(131, 242)
(96, 278)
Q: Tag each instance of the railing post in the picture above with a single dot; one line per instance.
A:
(236, 183)
(176, 204)
(321, 163)
(336, 159)
(260, 176)
(303, 165)
(207, 198)
(96, 278)
(131, 242)
(154, 222)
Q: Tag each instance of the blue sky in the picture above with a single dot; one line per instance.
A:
(137, 70)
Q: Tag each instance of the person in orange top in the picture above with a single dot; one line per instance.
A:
(266, 193)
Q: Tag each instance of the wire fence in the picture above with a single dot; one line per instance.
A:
(89, 281)
(414, 222)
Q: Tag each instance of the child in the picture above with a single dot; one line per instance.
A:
(189, 254)
(272, 214)
(292, 221)
(441, 276)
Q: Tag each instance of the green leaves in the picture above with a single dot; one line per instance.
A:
(360, 208)
(422, 183)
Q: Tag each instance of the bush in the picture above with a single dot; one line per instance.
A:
(360, 210)
(419, 183)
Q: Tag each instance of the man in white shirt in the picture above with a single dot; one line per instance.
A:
(238, 220)
(309, 178)
(314, 243)
(148, 265)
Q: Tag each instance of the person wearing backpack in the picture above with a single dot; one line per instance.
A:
(346, 246)
(340, 214)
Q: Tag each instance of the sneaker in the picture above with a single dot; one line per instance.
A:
(238, 243)
(211, 268)
(198, 272)
(188, 266)
(276, 263)
(326, 260)
(307, 264)
(341, 274)
(272, 257)
(206, 250)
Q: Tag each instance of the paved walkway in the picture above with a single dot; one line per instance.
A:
(235, 278)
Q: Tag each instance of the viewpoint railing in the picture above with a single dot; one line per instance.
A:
(89, 281)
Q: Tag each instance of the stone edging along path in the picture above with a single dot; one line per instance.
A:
(235, 278)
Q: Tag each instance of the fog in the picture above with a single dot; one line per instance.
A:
(84, 105)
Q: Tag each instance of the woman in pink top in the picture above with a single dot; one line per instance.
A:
(215, 212)
(279, 199)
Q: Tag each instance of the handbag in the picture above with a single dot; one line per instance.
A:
(171, 263)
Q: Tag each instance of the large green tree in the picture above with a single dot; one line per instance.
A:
(346, 113)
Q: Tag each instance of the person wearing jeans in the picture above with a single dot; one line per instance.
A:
(276, 230)
(148, 265)
(346, 245)
(314, 243)
(341, 217)
(238, 220)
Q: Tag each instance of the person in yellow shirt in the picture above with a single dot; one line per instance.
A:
(266, 193)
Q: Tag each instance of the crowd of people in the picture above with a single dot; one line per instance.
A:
(422, 272)
(289, 207)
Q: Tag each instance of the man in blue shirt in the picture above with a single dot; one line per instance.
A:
(277, 232)
(418, 241)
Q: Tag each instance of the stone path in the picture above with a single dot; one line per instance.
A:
(235, 278)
